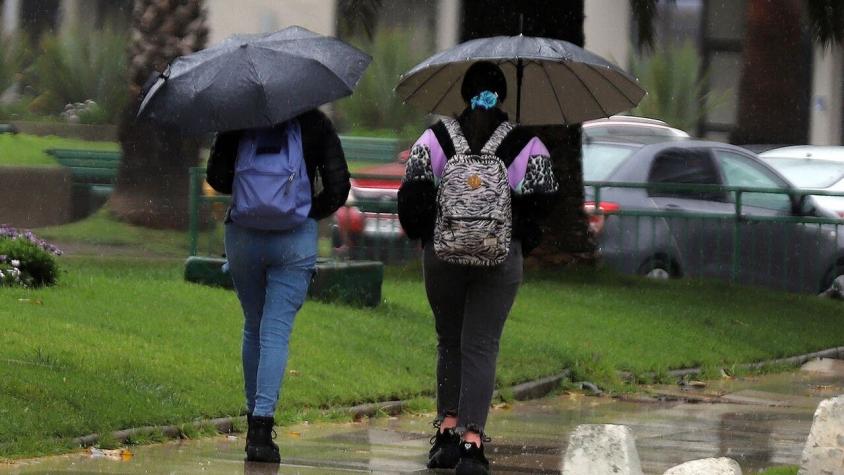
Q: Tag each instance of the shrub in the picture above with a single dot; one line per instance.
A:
(374, 105)
(12, 53)
(77, 67)
(676, 88)
(26, 260)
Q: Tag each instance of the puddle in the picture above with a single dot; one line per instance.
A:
(765, 425)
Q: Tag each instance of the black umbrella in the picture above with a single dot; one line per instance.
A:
(555, 82)
(253, 81)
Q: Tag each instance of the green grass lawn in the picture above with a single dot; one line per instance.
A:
(123, 343)
(29, 150)
(100, 229)
(790, 470)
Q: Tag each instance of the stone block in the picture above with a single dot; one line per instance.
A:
(710, 466)
(602, 449)
(824, 450)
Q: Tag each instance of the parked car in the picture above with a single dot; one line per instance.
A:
(369, 228)
(813, 167)
(637, 129)
(698, 239)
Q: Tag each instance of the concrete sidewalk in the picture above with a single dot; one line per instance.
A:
(760, 422)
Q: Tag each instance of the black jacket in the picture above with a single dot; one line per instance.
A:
(323, 157)
(417, 199)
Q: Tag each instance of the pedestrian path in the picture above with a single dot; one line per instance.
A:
(760, 422)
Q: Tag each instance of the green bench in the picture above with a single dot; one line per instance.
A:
(90, 168)
(93, 173)
(368, 149)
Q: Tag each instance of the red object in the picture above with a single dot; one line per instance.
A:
(350, 219)
(386, 176)
(597, 214)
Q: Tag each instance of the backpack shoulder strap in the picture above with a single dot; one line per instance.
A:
(496, 138)
(461, 146)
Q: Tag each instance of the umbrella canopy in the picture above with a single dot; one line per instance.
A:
(253, 81)
(549, 81)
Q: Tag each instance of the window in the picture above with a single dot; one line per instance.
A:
(600, 160)
(739, 170)
(692, 166)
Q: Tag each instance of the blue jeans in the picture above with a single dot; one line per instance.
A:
(271, 271)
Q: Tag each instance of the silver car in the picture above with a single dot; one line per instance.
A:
(767, 245)
(813, 167)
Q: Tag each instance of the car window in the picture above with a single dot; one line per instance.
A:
(686, 166)
(739, 170)
(599, 160)
(807, 173)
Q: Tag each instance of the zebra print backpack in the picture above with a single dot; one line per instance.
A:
(474, 222)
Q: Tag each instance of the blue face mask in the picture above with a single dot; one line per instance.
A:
(485, 100)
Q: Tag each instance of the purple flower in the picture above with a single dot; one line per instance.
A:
(12, 233)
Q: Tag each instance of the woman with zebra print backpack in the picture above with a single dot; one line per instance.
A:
(475, 190)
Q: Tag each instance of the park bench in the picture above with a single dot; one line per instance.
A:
(94, 170)
(8, 129)
(93, 173)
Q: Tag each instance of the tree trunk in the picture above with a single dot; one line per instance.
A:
(152, 182)
(566, 237)
(775, 87)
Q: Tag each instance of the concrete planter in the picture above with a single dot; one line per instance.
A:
(32, 197)
(350, 282)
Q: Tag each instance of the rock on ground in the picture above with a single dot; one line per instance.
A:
(824, 451)
(599, 449)
(711, 466)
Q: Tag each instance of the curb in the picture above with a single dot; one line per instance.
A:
(520, 392)
(837, 353)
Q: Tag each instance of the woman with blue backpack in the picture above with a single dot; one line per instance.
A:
(271, 244)
(475, 191)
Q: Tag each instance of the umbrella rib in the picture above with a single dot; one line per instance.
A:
(564, 63)
(556, 97)
(260, 85)
(425, 82)
(447, 91)
(631, 101)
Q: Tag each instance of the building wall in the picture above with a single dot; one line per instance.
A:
(226, 17)
(607, 30)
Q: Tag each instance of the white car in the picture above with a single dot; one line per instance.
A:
(638, 129)
(813, 167)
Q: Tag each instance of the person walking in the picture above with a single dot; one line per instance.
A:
(475, 191)
(271, 244)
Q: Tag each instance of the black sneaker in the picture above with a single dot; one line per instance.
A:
(472, 460)
(444, 451)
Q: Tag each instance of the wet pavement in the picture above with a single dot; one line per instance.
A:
(759, 421)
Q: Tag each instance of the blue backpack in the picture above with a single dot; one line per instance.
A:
(271, 189)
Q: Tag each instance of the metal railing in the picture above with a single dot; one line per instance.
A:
(362, 229)
(735, 242)
(781, 258)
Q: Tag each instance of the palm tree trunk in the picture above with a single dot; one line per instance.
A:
(566, 238)
(775, 87)
(152, 182)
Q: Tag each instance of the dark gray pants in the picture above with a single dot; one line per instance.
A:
(470, 306)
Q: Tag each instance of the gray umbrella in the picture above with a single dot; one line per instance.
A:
(549, 81)
(253, 81)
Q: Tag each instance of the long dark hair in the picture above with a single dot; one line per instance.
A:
(479, 124)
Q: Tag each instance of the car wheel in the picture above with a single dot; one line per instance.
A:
(658, 268)
(833, 285)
